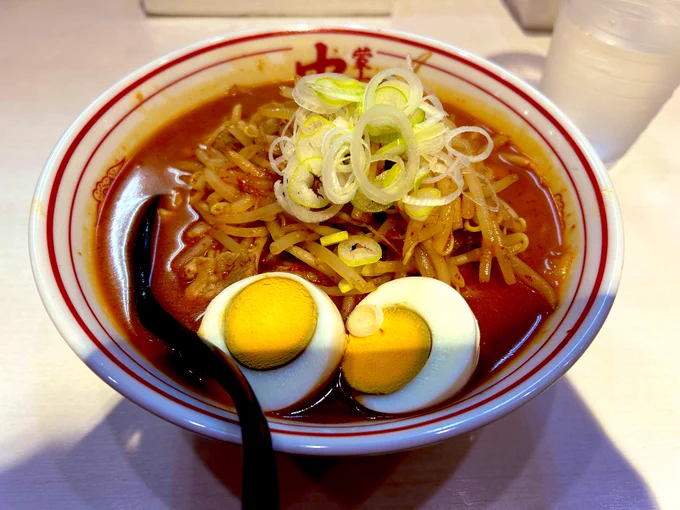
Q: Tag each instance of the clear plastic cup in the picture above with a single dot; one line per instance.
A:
(612, 65)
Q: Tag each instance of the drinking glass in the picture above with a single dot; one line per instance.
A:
(612, 65)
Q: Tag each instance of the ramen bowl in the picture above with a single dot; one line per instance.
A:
(87, 158)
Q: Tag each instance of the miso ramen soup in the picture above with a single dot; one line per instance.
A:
(487, 227)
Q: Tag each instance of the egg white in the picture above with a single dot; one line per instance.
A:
(455, 343)
(285, 386)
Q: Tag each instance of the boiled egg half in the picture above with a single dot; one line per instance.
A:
(286, 335)
(412, 343)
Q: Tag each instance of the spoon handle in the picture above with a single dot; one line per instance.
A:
(260, 488)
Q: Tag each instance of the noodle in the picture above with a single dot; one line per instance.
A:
(466, 258)
(423, 262)
(517, 238)
(237, 133)
(468, 209)
(286, 241)
(196, 250)
(293, 227)
(337, 265)
(470, 227)
(456, 277)
(429, 232)
(276, 111)
(380, 268)
(189, 166)
(439, 263)
(503, 183)
(236, 113)
(226, 191)
(241, 225)
(312, 261)
(260, 160)
(246, 165)
(213, 199)
(489, 232)
(286, 92)
(242, 204)
(258, 248)
(485, 260)
(348, 304)
(322, 230)
(373, 284)
(211, 158)
(198, 229)
(204, 211)
(244, 231)
(226, 240)
(412, 232)
(443, 241)
(457, 214)
(517, 159)
(196, 198)
(249, 151)
(534, 280)
(300, 254)
(249, 216)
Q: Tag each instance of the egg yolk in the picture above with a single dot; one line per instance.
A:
(388, 359)
(269, 323)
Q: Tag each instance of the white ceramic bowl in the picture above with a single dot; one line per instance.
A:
(90, 153)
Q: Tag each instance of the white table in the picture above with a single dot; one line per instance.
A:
(605, 436)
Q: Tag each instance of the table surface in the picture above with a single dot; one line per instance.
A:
(605, 436)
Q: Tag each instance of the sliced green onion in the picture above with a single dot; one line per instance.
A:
(334, 135)
(365, 320)
(444, 166)
(342, 122)
(359, 251)
(392, 92)
(421, 212)
(385, 138)
(336, 191)
(287, 150)
(432, 146)
(314, 165)
(344, 89)
(412, 81)
(345, 286)
(309, 146)
(335, 238)
(387, 177)
(300, 212)
(365, 204)
(427, 132)
(300, 187)
(313, 124)
(434, 100)
(306, 97)
(330, 137)
(433, 114)
(420, 177)
(360, 161)
(470, 129)
(395, 148)
(417, 117)
(434, 199)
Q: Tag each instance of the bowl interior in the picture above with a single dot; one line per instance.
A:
(95, 148)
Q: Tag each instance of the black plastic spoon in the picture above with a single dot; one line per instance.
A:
(260, 488)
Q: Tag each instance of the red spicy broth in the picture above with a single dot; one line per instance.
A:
(507, 314)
